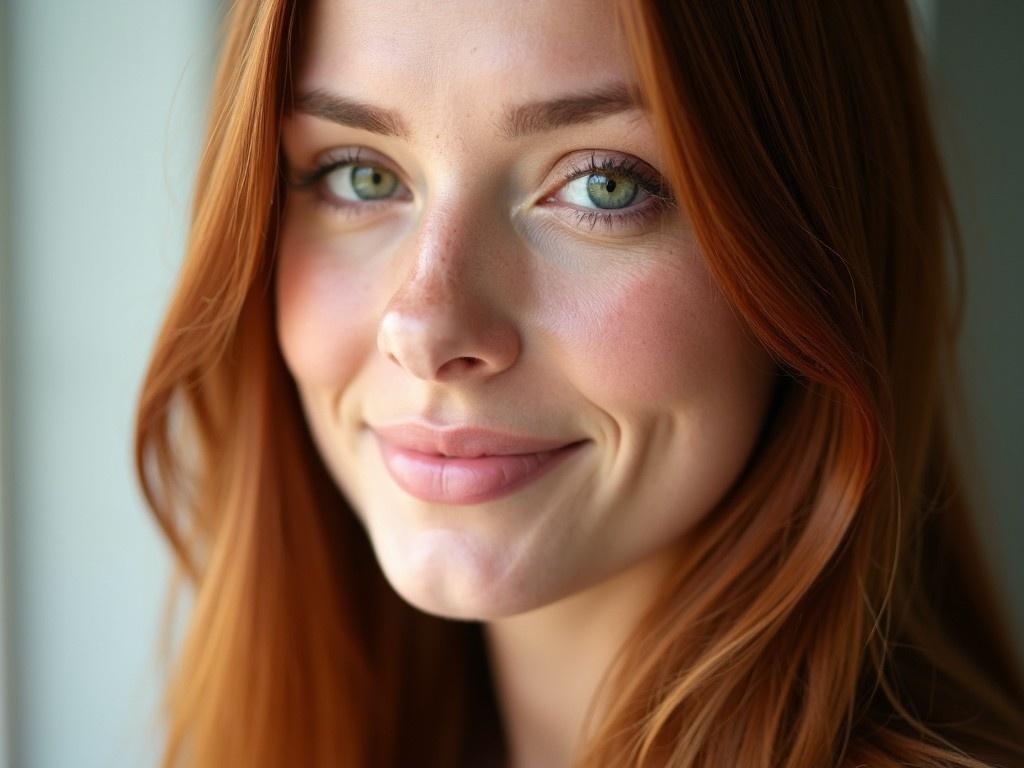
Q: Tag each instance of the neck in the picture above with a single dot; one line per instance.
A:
(548, 663)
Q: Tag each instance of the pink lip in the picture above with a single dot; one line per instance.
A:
(465, 465)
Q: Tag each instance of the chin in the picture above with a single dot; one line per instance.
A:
(450, 574)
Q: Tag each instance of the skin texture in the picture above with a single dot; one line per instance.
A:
(475, 296)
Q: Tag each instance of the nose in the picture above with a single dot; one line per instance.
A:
(440, 324)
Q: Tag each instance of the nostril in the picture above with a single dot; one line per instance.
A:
(464, 364)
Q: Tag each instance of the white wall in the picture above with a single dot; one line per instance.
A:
(103, 120)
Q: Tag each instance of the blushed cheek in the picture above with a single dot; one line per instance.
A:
(646, 340)
(324, 316)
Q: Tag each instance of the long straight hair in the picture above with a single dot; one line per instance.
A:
(835, 609)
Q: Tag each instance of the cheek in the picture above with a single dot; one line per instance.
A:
(648, 338)
(324, 314)
(643, 342)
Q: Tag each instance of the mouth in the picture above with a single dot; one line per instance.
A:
(440, 479)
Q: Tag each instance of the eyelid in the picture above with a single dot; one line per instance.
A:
(633, 219)
(336, 158)
(616, 162)
(658, 195)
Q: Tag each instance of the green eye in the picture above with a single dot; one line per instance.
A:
(352, 182)
(611, 190)
(372, 183)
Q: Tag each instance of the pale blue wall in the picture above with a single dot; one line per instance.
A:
(103, 120)
(4, 502)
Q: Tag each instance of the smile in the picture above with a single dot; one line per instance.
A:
(453, 480)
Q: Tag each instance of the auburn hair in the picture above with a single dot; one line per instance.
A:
(836, 608)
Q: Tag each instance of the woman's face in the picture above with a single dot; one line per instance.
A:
(492, 250)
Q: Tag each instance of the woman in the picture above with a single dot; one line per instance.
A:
(570, 384)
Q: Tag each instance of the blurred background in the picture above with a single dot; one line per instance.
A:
(101, 111)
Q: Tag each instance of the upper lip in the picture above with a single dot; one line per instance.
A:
(462, 441)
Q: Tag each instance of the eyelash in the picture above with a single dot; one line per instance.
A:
(658, 195)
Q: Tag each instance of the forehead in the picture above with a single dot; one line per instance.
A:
(462, 55)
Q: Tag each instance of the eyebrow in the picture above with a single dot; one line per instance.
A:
(519, 120)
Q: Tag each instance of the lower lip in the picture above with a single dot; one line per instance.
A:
(444, 480)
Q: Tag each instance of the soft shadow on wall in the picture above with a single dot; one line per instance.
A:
(978, 68)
